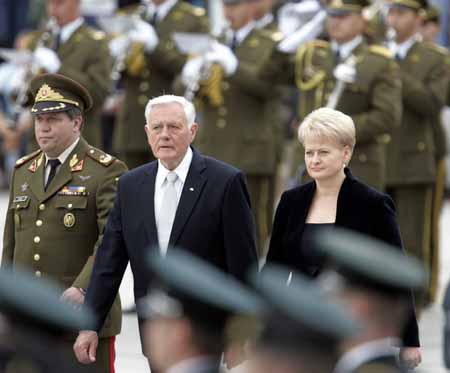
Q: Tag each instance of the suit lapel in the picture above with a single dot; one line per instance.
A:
(304, 203)
(146, 200)
(66, 48)
(192, 189)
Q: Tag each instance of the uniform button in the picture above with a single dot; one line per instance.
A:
(38, 273)
(146, 73)
(221, 123)
(223, 111)
(92, 151)
(38, 223)
(362, 158)
(37, 239)
(69, 205)
(42, 207)
(142, 99)
(144, 86)
(421, 146)
(37, 257)
(225, 86)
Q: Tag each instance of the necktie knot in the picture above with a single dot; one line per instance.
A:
(172, 177)
(234, 42)
(54, 163)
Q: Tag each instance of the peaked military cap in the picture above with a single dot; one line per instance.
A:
(432, 14)
(197, 290)
(234, 2)
(301, 318)
(56, 93)
(30, 303)
(338, 7)
(367, 262)
(418, 5)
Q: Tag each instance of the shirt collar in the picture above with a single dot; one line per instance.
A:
(194, 364)
(402, 49)
(346, 49)
(365, 352)
(65, 154)
(68, 29)
(242, 33)
(161, 10)
(264, 21)
(181, 170)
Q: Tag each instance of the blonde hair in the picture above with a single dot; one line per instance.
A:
(328, 123)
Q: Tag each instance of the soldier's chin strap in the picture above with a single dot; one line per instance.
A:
(446, 337)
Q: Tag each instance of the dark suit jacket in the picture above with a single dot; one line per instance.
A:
(213, 220)
(359, 207)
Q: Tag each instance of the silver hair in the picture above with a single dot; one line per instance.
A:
(187, 106)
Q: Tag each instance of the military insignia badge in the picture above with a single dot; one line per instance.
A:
(20, 199)
(69, 220)
(73, 161)
(24, 187)
(105, 158)
(33, 166)
(84, 177)
(41, 158)
(78, 166)
(70, 190)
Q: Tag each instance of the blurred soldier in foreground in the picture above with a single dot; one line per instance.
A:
(69, 47)
(60, 198)
(304, 330)
(188, 313)
(425, 80)
(347, 74)
(34, 322)
(429, 31)
(373, 281)
(151, 65)
(232, 103)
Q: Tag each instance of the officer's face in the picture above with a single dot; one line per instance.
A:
(430, 31)
(406, 22)
(345, 27)
(64, 11)
(237, 15)
(259, 8)
(55, 132)
(324, 157)
(168, 134)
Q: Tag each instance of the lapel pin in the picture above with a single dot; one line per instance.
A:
(191, 189)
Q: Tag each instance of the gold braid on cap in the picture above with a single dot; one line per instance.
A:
(46, 93)
(409, 3)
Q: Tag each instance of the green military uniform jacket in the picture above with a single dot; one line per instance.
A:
(85, 58)
(237, 131)
(55, 233)
(373, 100)
(425, 80)
(155, 77)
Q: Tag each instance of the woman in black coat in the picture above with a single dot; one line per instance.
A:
(333, 198)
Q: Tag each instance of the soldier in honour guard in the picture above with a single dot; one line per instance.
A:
(152, 63)
(351, 76)
(231, 103)
(69, 47)
(60, 198)
(411, 171)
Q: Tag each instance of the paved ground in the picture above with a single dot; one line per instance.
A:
(129, 359)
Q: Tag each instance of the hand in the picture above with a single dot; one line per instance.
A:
(144, 33)
(47, 59)
(224, 56)
(73, 295)
(85, 347)
(192, 70)
(345, 73)
(410, 357)
(118, 46)
(234, 354)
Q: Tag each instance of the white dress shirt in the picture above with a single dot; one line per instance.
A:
(160, 183)
(68, 29)
(241, 34)
(401, 50)
(62, 158)
(161, 10)
(264, 21)
(346, 49)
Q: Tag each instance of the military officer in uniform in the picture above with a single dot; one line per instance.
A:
(411, 170)
(376, 295)
(60, 198)
(69, 47)
(232, 103)
(351, 76)
(151, 67)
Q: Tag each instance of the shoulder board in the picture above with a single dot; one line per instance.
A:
(97, 34)
(380, 51)
(27, 158)
(190, 9)
(197, 11)
(100, 156)
(437, 48)
(319, 43)
(275, 36)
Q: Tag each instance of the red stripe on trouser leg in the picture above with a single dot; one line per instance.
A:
(112, 354)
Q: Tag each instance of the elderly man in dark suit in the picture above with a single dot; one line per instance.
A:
(183, 199)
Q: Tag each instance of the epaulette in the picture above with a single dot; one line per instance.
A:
(27, 158)
(97, 34)
(190, 9)
(197, 11)
(381, 51)
(100, 156)
(437, 48)
(275, 36)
